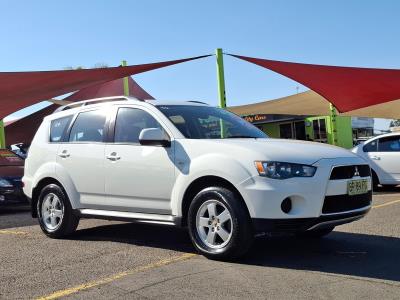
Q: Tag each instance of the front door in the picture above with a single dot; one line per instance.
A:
(138, 178)
(81, 158)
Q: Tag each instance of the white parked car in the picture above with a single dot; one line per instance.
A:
(188, 164)
(383, 154)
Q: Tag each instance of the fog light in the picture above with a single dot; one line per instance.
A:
(286, 205)
(2, 198)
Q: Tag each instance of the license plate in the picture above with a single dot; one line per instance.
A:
(357, 187)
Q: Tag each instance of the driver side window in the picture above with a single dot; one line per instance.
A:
(130, 122)
(371, 146)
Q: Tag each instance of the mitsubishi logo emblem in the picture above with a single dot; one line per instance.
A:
(356, 172)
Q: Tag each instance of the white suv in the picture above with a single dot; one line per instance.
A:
(188, 164)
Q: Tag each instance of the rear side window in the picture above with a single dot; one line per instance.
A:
(88, 127)
(58, 128)
(371, 146)
(389, 144)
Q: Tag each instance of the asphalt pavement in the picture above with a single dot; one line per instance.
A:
(107, 259)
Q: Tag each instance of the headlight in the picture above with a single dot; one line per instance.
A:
(283, 170)
(5, 183)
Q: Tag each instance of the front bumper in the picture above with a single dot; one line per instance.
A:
(304, 224)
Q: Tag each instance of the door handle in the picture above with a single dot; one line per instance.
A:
(376, 157)
(64, 154)
(113, 156)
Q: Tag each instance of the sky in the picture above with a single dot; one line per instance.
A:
(51, 35)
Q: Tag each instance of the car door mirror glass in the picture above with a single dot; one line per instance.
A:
(154, 137)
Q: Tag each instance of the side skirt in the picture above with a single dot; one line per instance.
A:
(129, 216)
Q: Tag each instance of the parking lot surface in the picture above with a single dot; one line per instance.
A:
(106, 260)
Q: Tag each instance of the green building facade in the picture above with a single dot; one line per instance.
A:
(318, 129)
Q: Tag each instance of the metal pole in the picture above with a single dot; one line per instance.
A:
(2, 135)
(220, 78)
(221, 86)
(126, 82)
(333, 115)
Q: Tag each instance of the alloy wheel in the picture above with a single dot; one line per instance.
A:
(52, 212)
(214, 224)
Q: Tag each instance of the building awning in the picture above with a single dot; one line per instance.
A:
(348, 88)
(311, 103)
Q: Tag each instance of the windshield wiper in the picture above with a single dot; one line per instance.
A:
(241, 137)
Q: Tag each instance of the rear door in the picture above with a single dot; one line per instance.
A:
(81, 157)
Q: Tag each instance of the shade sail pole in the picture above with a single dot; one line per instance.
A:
(126, 83)
(333, 118)
(2, 135)
(220, 78)
(221, 85)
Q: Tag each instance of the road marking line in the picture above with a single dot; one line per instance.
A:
(13, 232)
(88, 285)
(385, 204)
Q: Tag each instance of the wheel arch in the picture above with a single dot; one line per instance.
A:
(201, 183)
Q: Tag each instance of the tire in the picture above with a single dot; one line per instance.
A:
(219, 224)
(316, 234)
(375, 181)
(54, 211)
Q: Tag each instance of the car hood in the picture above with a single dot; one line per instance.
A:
(293, 151)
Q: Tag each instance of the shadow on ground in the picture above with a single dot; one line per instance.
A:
(387, 190)
(343, 253)
(16, 216)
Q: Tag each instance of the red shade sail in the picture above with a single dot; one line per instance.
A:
(21, 89)
(347, 88)
(23, 130)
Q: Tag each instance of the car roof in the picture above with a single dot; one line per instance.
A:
(381, 136)
(107, 101)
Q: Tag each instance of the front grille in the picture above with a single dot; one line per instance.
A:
(347, 172)
(342, 203)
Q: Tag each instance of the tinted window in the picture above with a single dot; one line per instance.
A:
(389, 144)
(57, 128)
(130, 122)
(371, 146)
(88, 127)
(206, 122)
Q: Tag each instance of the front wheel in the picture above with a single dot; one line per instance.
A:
(219, 224)
(54, 212)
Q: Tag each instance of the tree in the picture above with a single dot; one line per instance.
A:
(395, 123)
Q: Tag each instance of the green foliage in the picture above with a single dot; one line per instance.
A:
(395, 123)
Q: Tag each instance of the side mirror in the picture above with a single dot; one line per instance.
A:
(154, 137)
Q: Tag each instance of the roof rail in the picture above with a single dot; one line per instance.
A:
(193, 101)
(93, 101)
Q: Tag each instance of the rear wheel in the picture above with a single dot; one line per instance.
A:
(219, 224)
(317, 233)
(54, 212)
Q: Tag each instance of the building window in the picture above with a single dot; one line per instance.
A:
(319, 127)
(286, 131)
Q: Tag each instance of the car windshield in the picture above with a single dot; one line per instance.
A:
(207, 122)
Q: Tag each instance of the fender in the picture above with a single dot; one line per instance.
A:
(56, 171)
(222, 166)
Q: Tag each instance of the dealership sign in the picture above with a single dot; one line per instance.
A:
(256, 118)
